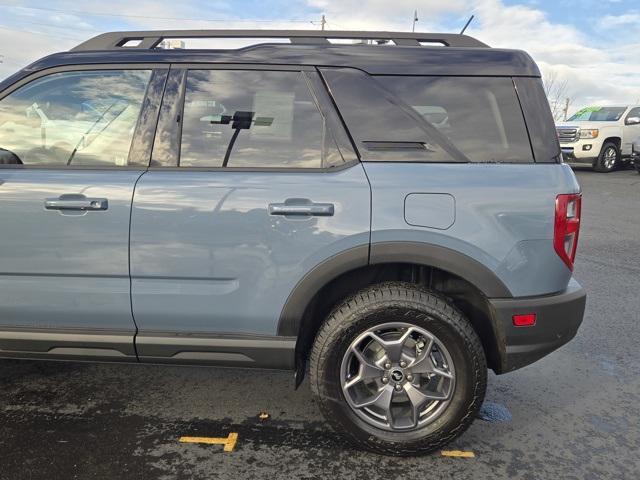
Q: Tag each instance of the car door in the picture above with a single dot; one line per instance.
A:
(72, 146)
(631, 130)
(253, 183)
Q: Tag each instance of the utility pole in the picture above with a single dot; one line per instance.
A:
(566, 109)
(323, 22)
(415, 19)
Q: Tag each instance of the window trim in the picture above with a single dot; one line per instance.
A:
(155, 68)
(321, 99)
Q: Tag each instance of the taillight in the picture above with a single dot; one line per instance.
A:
(567, 227)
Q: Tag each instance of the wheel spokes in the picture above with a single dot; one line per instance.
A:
(419, 398)
(381, 399)
(424, 363)
(394, 349)
(367, 370)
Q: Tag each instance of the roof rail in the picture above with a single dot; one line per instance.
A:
(151, 39)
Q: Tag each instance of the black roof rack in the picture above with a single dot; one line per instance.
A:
(151, 39)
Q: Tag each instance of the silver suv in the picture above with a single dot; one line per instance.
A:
(390, 216)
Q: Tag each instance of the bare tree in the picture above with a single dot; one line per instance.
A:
(558, 95)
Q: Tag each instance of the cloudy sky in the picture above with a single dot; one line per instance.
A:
(593, 45)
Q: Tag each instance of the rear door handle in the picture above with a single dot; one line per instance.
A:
(302, 209)
(76, 202)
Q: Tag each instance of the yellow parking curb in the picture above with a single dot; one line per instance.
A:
(457, 453)
(228, 442)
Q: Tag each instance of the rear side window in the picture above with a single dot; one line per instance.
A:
(480, 116)
(542, 129)
(73, 118)
(253, 119)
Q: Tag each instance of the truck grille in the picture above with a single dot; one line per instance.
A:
(568, 134)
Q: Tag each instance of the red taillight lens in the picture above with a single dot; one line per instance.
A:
(567, 227)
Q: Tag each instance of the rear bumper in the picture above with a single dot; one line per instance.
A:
(557, 320)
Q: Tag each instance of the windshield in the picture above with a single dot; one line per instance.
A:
(598, 114)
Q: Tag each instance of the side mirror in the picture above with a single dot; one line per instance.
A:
(632, 121)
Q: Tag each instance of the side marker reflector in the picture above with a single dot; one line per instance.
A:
(526, 320)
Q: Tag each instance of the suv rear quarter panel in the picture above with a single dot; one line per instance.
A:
(504, 216)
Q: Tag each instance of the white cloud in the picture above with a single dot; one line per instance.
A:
(597, 70)
(20, 48)
(613, 21)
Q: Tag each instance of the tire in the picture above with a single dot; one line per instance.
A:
(608, 159)
(409, 312)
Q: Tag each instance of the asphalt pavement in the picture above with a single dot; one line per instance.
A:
(573, 415)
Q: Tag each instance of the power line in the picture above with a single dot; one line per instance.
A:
(54, 35)
(148, 17)
(52, 25)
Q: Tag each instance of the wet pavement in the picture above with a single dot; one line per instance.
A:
(573, 415)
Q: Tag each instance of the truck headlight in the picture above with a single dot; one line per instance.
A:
(589, 133)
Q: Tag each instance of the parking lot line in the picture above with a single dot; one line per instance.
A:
(457, 453)
(229, 442)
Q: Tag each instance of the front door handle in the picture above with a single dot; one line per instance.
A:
(302, 209)
(76, 202)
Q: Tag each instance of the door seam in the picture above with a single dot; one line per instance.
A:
(133, 317)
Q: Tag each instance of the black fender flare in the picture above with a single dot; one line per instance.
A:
(417, 253)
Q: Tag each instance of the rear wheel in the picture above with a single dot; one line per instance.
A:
(608, 159)
(398, 369)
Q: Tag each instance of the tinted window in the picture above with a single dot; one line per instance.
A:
(73, 118)
(540, 123)
(384, 129)
(598, 114)
(240, 118)
(480, 116)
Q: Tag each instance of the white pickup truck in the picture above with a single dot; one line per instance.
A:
(601, 136)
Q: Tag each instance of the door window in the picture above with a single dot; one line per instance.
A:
(242, 118)
(73, 118)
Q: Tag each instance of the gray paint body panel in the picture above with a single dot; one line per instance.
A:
(65, 269)
(504, 216)
(207, 257)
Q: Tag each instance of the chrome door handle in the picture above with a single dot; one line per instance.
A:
(302, 210)
(76, 202)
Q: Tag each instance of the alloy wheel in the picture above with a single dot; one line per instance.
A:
(397, 376)
(609, 157)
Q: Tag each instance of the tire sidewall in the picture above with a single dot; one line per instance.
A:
(600, 166)
(444, 327)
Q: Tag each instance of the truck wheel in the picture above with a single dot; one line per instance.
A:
(608, 159)
(398, 369)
